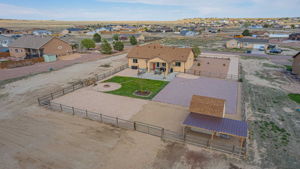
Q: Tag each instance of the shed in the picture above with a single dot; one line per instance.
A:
(49, 58)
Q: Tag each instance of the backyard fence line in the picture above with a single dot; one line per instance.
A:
(44, 100)
(212, 74)
(164, 134)
(153, 130)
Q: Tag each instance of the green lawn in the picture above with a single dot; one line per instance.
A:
(295, 97)
(131, 84)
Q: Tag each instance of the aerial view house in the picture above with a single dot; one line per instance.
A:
(5, 31)
(41, 32)
(296, 64)
(159, 58)
(74, 31)
(294, 36)
(37, 46)
(126, 37)
(207, 116)
(5, 40)
(247, 43)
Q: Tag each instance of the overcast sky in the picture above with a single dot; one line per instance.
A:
(109, 10)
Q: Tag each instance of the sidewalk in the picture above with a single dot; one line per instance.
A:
(44, 67)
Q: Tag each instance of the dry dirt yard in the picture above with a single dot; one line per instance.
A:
(32, 137)
(272, 117)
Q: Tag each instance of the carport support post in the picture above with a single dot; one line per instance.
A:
(51, 96)
(60, 107)
(39, 101)
(134, 125)
(101, 118)
(85, 113)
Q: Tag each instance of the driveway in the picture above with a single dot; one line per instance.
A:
(180, 91)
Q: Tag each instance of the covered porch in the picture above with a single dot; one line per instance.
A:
(159, 66)
(32, 53)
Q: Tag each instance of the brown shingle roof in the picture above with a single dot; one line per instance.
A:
(207, 106)
(32, 42)
(167, 53)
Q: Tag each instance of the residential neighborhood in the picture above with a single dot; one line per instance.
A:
(149, 85)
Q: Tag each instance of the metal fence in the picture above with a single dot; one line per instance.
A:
(212, 74)
(44, 100)
(133, 125)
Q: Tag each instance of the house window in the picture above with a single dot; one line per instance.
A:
(134, 60)
(16, 50)
(157, 64)
(178, 64)
(164, 64)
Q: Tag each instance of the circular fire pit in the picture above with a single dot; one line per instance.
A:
(142, 93)
(108, 86)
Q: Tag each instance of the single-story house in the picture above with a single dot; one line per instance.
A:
(296, 64)
(247, 43)
(126, 37)
(5, 31)
(156, 57)
(294, 36)
(37, 46)
(41, 32)
(5, 40)
(207, 117)
(74, 31)
(276, 35)
(188, 33)
(260, 34)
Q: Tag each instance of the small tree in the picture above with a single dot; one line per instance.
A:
(106, 47)
(116, 37)
(97, 38)
(133, 40)
(293, 26)
(246, 32)
(196, 50)
(118, 45)
(88, 43)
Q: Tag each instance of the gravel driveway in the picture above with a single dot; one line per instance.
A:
(180, 90)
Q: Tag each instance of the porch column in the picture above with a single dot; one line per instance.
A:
(149, 65)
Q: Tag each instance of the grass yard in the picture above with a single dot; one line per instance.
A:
(131, 84)
(295, 97)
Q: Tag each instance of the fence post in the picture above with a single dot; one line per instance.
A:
(60, 107)
(73, 87)
(39, 101)
(73, 111)
(101, 118)
(134, 125)
(233, 148)
(63, 91)
(86, 113)
(117, 120)
(51, 96)
(162, 133)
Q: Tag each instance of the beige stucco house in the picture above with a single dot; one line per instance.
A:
(247, 43)
(156, 57)
(296, 64)
(37, 46)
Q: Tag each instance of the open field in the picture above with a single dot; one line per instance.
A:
(33, 137)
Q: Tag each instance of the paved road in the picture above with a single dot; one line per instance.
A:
(6, 74)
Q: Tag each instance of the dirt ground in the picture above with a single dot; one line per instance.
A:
(32, 137)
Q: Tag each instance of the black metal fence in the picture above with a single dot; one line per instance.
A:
(212, 74)
(46, 101)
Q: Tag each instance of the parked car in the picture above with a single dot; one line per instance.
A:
(275, 50)
(261, 48)
(248, 51)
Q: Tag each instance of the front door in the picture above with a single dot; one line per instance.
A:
(153, 66)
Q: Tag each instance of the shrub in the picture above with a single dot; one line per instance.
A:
(97, 38)
(116, 37)
(133, 40)
(106, 47)
(88, 43)
(196, 50)
(118, 45)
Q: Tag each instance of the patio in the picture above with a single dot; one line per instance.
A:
(162, 76)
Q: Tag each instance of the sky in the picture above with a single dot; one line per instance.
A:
(145, 10)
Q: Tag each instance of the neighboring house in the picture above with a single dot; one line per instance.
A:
(74, 31)
(155, 57)
(260, 34)
(255, 27)
(5, 40)
(278, 35)
(126, 37)
(5, 31)
(294, 36)
(247, 43)
(296, 64)
(41, 32)
(188, 33)
(37, 46)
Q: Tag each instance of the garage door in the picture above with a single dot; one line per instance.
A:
(257, 46)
